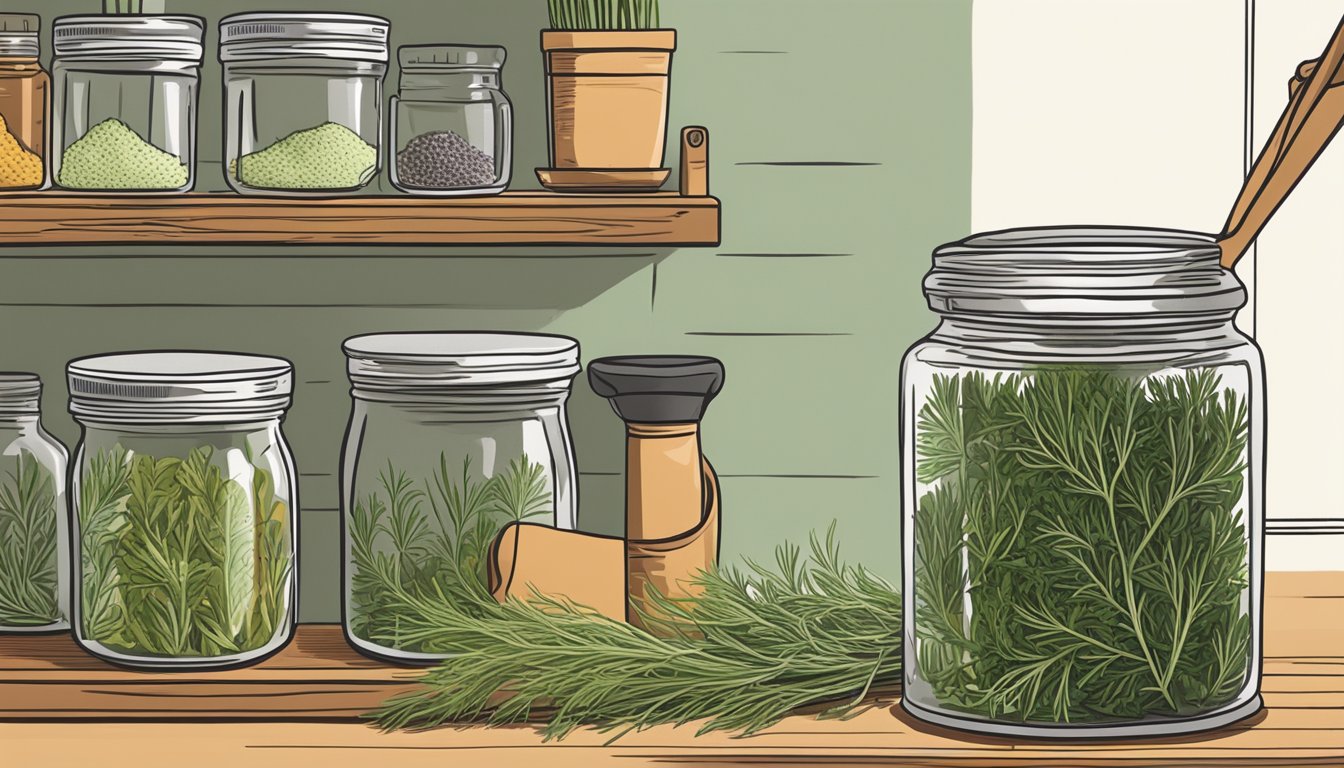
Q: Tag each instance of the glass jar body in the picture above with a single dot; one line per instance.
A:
(452, 135)
(24, 100)
(299, 126)
(1082, 528)
(34, 528)
(427, 483)
(184, 543)
(124, 125)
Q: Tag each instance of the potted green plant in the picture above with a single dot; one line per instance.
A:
(608, 67)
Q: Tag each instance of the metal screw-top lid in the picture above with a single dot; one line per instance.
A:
(410, 361)
(20, 393)
(170, 38)
(451, 57)
(179, 387)
(256, 36)
(1083, 272)
(657, 389)
(18, 35)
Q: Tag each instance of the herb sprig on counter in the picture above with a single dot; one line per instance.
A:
(1081, 549)
(756, 645)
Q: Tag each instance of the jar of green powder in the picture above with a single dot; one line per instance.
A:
(302, 101)
(125, 106)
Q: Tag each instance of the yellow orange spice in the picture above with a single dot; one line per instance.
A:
(18, 166)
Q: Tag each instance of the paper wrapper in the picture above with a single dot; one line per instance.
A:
(603, 574)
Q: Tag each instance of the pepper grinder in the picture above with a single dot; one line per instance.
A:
(672, 497)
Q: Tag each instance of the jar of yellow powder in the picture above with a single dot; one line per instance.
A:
(24, 88)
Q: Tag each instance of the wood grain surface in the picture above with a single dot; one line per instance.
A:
(514, 218)
(317, 678)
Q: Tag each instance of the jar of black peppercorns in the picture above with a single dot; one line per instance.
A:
(452, 124)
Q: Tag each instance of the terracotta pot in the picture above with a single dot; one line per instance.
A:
(608, 99)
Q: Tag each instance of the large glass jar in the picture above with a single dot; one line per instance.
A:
(452, 123)
(303, 97)
(1083, 447)
(34, 532)
(125, 108)
(451, 436)
(24, 99)
(184, 508)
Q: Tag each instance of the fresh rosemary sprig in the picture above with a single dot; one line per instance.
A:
(177, 559)
(754, 646)
(429, 542)
(1080, 546)
(28, 558)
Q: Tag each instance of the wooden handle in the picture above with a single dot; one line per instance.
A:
(1313, 116)
(694, 161)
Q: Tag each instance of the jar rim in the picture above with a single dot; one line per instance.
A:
(179, 385)
(460, 359)
(451, 58)
(20, 392)
(176, 37)
(1082, 271)
(280, 35)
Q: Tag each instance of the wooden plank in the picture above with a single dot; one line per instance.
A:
(318, 678)
(518, 218)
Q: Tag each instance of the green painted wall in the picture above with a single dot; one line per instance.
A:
(840, 136)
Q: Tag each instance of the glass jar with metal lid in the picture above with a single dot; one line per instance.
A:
(125, 107)
(1083, 447)
(24, 100)
(452, 124)
(34, 528)
(451, 436)
(302, 101)
(184, 508)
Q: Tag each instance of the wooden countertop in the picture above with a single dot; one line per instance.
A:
(299, 708)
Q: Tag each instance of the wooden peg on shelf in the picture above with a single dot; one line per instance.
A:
(694, 161)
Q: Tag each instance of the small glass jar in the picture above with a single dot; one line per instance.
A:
(303, 97)
(452, 124)
(24, 87)
(451, 436)
(34, 528)
(125, 108)
(1083, 447)
(184, 508)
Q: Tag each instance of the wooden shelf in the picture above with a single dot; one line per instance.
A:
(288, 704)
(514, 218)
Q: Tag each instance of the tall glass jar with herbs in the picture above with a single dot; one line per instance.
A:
(34, 532)
(451, 436)
(1083, 444)
(24, 101)
(184, 508)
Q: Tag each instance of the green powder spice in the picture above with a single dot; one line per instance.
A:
(329, 156)
(112, 156)
(177, 559)
(1081, 545)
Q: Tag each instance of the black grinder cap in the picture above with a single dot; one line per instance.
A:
(657, 389)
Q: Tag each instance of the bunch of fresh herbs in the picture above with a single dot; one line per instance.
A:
(179, 560)
(1080, 547)
(29, 595)
(604, 14)
(429, 542)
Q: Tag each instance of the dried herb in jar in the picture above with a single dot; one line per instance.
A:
(1080, 547)
(444, 160)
